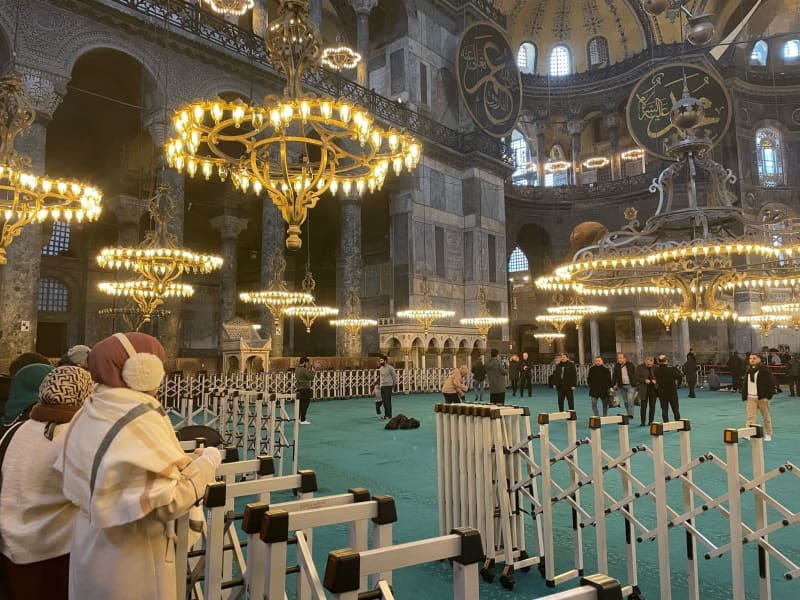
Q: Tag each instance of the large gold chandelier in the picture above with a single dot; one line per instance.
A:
(694, 256)
(484, 320)
(132, 315)
(229, 7)
(308, 313)
(277, 297)
(26, 198)
(425, 313)
(353, 322)
(157, 263)
(294, 148)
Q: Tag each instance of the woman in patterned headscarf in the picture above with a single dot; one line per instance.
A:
(125, 470)
(37, 523)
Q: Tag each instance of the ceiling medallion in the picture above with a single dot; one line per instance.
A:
(26, 198)
(229, 7)
(297, 147)
(424, 312)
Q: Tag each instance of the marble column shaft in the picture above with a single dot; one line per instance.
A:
(229, 228)
(541, 153)
(273, 236)
(315, 12)
(612, 122)
(362, 36)
(581, 347)
(638, 338)
(349, 271)
(594, 338)
(575, 128)
(685, 341)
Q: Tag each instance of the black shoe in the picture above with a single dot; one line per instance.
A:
(642, 425)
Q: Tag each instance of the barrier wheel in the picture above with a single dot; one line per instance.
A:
(507, 581)
(487, 571)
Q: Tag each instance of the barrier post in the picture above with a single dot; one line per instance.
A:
(215, 504)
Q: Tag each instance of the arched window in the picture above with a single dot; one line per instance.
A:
(758, 56)
(59, 240)
(560, 61)
(518, 261)
(53, 296)
(526, 58)
(598, 51)
(791, 50)
(525, 173)
(769, 156)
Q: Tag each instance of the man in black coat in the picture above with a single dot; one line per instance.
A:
(736, 369)
(525, 375)
(667, 379)
(690, 370)
(645, 375)
(565, 380)
(758, 388)
(599, 381)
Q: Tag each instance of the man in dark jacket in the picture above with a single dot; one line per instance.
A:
(496, 374)
(667, 379)
(794, 374)
(599, 380)
(525, 376)
(565, 380)
(478, 378)
(736, 369)
(304, 380)
(758, 388)
(645, 375)
(625, 379)
(690, 369)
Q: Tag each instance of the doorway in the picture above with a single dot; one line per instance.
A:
(51, 339)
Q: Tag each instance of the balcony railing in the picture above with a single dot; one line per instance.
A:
(189, 18)
(571, 193)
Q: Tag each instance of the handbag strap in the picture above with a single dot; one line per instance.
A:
(4, 444)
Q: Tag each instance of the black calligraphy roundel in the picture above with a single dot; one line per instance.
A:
(651, 101)
(488, 78)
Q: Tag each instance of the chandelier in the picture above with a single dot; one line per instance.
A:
(484, 320)
(132, 316)
(340, 57)
(549, 336)
(559, 321)
(695, 254)
(295, 148)
(353, 322)
(425, 313)
(26, 198)
(308, 313)
(699, 29)
(766, 322)
(229, 7)
(277, 297)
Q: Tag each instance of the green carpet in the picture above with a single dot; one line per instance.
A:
(347, 446)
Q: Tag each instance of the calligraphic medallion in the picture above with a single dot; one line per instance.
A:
(651, 100)
(488, 78)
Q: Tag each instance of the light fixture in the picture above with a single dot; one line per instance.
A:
(700, 29)
(556, 166)
(484, 320)
(277, 297)
(229, 7)
(158, 262)
(632, 154)
(132, 316)
(597, 162)
(559, 321)
(308, 313)
(549, 336)
(353, 322)
(577, 309)
(766, 322)
(425, 312)
(295, 148)
(26, 198)
(340, 57)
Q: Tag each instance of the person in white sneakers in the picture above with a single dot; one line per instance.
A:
(125, 470)
(758, 388)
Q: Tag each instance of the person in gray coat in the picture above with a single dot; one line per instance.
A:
(388, 381)
(496, 374)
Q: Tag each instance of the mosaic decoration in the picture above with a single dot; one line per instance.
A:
(623, 38)
(488, 77)
(651, 100)
(536, 21)
(561, 25)
(592, 21)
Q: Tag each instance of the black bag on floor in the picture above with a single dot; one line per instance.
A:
(402, 422)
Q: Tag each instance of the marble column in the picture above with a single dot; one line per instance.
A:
(575, 128)
(638, 338)
(349, 270)
(541, 153)
(685, 342)
(439, 359)
(362, 9)
(581, 347)
(594, 338)
(129, 211)
(315, 12)
(229, 228)
(261, 17)
(20, 275)
(612, 122)
(273, 236)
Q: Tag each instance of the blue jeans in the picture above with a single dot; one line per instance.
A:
(478, 387)
(628, 394)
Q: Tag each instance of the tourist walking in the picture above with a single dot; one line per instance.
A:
(496, 374)
(667, 379)
(525, 375)
(303, 383)
(454, 387)
(645, 375)
(513, 373)
(690, 369)
(599, 382)
(478, 378)
(565, 380)
(388, 380)
(757, 390)
(624, 379)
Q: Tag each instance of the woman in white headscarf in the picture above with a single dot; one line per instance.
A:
(125, 470)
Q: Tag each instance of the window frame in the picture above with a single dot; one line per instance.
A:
(770, 167)
(569, 62)
(52, 295)
(60, 239)
(755, 59)
(527, 69)
(602, 45)
(518, 259)
(793, 58)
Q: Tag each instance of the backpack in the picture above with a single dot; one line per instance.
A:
(402, 422)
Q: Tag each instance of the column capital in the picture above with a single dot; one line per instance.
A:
(613, 120)
(158, 127)
(352, 199)
(575, 126)
(45, 90)
(363, 7)
(129, 210)
(228, 226)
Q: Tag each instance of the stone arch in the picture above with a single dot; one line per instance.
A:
(449, 350)
(535, 243)
(394, 350)
(232, 365)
